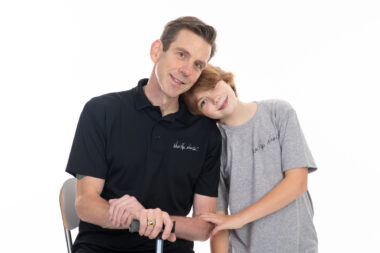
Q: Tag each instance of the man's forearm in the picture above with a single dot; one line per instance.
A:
(192, 229)
(95, 210)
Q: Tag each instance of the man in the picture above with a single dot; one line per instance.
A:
(139, 154)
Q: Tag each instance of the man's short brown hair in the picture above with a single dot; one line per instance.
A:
(210, 76)
(193, 24)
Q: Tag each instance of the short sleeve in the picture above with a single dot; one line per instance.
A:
(88, 155)
(295, 152)
(208, 180)
(222, 203)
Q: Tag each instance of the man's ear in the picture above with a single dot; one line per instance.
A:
(156, 50)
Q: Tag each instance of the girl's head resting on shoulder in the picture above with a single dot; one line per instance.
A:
(213, 95)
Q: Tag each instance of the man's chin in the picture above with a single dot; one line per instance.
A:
(177, 93)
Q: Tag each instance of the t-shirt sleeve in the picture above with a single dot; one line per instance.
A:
(88, 155)
(208, 180)
(222, 203)
(295, 152)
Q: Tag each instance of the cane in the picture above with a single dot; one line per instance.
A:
(135, 227)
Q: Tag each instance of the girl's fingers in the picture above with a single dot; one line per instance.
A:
(208, 219)
(213, 219)
(207, 216)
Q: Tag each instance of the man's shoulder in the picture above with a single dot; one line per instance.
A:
(210, 122)
(209, 126)
(112, 100)
(203, 127)
(202, 121)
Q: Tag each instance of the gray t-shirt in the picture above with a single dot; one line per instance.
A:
(255, 156)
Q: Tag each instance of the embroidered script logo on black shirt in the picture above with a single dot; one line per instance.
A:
(261, 146)
(183, 146)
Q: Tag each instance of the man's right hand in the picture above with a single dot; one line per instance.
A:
(122, 209)
(126, 208)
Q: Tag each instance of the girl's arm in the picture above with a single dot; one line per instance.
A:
(290, 188)
(220, 241)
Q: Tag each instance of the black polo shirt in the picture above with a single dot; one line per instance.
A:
(162, 161)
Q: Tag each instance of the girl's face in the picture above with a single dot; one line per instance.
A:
(218, 102)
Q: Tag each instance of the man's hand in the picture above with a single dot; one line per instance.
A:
(122, 210)
(157, 218)
(126, 208)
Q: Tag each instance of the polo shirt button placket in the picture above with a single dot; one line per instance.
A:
(156, 140)
(156, 149)
(156, 133)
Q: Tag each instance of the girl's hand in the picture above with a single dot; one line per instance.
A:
(223, 221)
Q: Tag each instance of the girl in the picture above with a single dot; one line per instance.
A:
(264, 167)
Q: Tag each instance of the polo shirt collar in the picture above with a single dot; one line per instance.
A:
(142, 102)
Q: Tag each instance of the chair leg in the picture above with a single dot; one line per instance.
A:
(69, 243)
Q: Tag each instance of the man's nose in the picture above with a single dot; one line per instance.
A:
(185, 70)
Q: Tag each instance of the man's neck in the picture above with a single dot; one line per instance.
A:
(155, 95)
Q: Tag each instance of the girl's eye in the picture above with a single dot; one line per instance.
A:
(202, 103)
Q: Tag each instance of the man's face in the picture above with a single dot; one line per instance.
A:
(178, 68)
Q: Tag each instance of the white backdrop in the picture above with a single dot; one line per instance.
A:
(321, 56)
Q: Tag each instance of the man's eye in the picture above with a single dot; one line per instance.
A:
(198, 65)
(181, 54)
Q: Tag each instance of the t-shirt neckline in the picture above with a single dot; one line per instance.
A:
(244, 125)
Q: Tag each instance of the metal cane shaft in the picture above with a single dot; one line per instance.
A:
(159, 245)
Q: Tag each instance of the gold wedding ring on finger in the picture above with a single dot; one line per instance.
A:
(151, 222)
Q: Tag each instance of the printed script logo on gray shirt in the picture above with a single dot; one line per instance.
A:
(261, 146)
